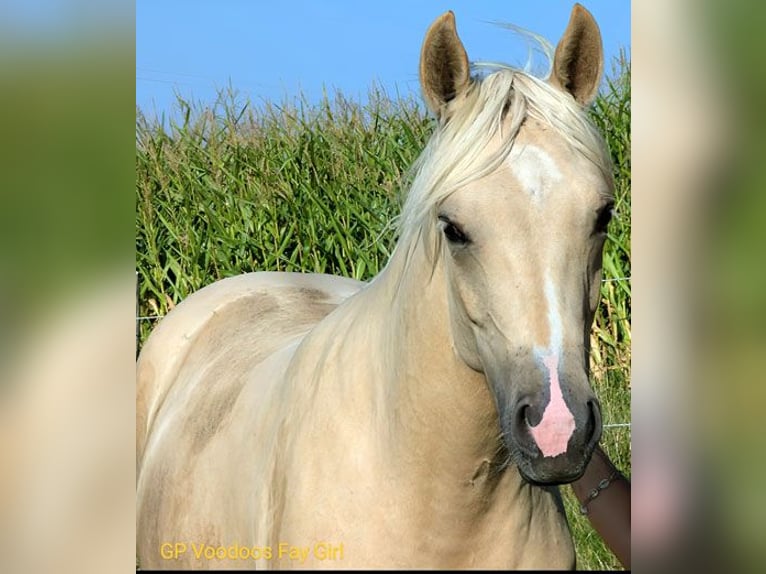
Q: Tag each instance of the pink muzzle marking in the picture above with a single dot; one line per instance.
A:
(555, 428)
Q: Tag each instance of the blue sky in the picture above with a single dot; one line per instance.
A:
(271, 50)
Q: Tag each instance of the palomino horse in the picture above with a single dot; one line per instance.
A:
(424, 419)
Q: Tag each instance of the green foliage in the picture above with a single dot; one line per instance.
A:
(231, 189)
(285, 188)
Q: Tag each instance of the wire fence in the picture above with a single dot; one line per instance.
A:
(606, 426)
(155, 317)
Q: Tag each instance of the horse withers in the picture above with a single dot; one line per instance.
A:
(426, 418)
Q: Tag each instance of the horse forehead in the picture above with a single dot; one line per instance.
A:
(542, 161)
(535, 168)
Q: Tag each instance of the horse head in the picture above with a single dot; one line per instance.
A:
(521, 196)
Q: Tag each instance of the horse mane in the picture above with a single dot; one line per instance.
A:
(456, 152)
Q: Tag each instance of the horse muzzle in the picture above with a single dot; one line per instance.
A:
(550, 418)
(551, 442)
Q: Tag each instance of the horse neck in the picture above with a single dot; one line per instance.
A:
(445, 416)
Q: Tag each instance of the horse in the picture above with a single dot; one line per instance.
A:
(428, 417)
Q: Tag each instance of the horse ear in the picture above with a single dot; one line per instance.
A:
(579, 59)
(444, 71)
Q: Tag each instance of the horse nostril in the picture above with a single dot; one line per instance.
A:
(521, 424)
(528, 416)
(593, 428)
(520, 417)
(524, 415)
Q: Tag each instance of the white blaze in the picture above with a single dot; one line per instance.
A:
(534, 169)
(557, 424)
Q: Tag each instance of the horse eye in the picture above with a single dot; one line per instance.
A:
(604, 217)
(452, 231)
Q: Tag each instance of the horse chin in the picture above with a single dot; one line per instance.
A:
(548, 477)
(563, 469)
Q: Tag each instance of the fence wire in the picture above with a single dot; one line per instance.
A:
(606, 426)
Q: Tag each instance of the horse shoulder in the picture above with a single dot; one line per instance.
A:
(253, 314)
